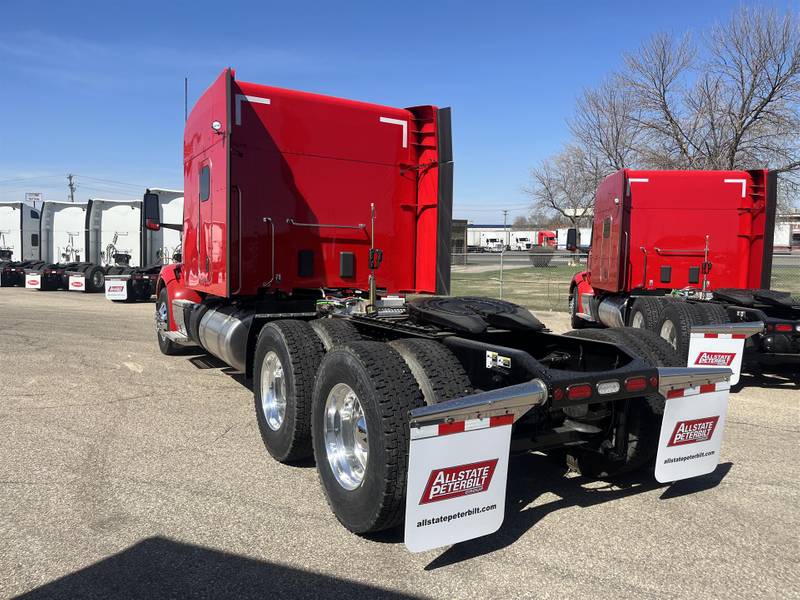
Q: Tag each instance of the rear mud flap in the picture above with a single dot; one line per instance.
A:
(714, 346)
(691, 432)
(116, 288)
(456, 481)
(77, 283)
(33, 281)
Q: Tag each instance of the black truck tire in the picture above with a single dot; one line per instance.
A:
(438, 372)
(287, 356)
(386, 391)
(675, 326)
(645, 313)
(335, 332)
(712, 314)
(95, 279)
(166, 345)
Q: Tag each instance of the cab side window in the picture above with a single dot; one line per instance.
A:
(205, 183)
(607, 228)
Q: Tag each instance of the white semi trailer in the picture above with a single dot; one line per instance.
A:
(19, 241)
(62, 243)
(158, 248)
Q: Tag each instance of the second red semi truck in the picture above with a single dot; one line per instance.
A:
(676, 249)
(307, 222)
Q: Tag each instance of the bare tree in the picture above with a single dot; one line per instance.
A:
(731, 102)
(565, 185)
(607, 124)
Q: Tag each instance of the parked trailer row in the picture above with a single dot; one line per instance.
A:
(294, 268)
(89, 247)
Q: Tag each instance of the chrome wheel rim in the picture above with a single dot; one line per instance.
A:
(345, 433)
(273, 391)
(573, 305)
(638, 320)
(161, 319)
(668, 333)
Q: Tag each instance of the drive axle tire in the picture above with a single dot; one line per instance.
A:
(287, 356)
(712, 314)
(166, 345)
(645, 313)
(438, 372)
(95, 279)
(362, 397)
(675, 326)
(335, 332)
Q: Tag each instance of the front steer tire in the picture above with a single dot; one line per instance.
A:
(386, 391)
(294, 344)
(167, 346)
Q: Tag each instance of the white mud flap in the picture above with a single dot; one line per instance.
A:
(77, 283)
(714, 346)
(691, 432)
(33, 281)
(116, 289)
(456, 481)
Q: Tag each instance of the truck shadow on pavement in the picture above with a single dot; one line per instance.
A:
(532, 476)
(158, 568)
(785, 378)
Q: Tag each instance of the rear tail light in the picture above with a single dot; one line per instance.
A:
(635, 384)
(608, 387)
(581, 391)
(784, 328)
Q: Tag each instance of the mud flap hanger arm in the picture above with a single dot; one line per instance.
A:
(511, 400)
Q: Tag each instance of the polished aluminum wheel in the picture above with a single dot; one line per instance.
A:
(345, 434)
(669, 333)
(638, 320)
(162, 319)
(273, 391)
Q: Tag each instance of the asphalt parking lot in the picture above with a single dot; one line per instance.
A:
(125, 473)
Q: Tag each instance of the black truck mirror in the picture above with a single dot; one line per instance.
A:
(572, 239)
(152, 214)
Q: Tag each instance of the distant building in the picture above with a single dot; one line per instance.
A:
(458, 236)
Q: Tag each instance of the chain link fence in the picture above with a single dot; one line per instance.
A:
(541, 284)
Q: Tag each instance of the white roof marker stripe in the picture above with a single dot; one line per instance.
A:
(241, 98)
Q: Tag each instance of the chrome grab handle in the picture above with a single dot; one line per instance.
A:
(272, 249)
(678, 252)
(319, 225)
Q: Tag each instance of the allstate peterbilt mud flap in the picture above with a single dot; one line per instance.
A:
(76, 282)
(459, 451)
(715, 346)
(117, 287)
(33, 281)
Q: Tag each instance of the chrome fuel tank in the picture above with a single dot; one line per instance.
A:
(223, 333)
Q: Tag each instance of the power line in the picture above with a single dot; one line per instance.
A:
(138, 186)
(2, 181)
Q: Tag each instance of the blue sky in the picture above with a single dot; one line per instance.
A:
(96, 88)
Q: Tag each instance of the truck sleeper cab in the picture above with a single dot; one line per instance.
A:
(19, 242)
(676, 249)
(307, 221)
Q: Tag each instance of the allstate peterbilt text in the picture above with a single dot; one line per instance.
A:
(307, 222)
(677, 249)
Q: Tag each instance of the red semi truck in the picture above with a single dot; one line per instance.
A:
(307, 220)
(676, 249)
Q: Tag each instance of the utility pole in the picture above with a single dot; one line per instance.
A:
(503, 249)
(71, 185)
